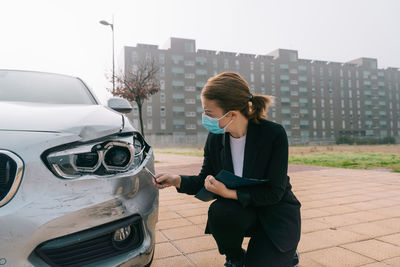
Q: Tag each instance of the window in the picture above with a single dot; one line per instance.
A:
(149, 111)
(226, 63)
(161, 58)
(201, 61)
(162, 85)
(189, 76)
(178, 98)
(189, 63)
(190, 88)
(162, 71)
(149, 124)
(148, 56)
(190, 114)
(177, 59)
(190, 101)
(163, 124)
(189, 47)
(134, 56)
(162, 97)
(162, 111)
(178, 124)
(215, 63)
(284, 67)
(251, 65)
(178, 85)
(292, 57)
(178, 110)
(302, 68)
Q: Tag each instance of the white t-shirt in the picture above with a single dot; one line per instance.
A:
(237, 151)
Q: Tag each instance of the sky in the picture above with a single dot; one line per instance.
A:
(65, 36)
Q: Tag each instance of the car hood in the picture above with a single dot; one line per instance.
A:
(86, 121)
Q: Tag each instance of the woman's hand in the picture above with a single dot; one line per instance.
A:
(215, 186)
(165, 180)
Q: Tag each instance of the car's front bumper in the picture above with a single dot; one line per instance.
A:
(46, 207)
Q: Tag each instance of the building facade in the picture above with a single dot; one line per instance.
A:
(316, 101)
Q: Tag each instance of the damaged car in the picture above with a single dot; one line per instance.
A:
(74, 189)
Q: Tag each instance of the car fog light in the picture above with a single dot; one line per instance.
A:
(122, 234)
(124, 237)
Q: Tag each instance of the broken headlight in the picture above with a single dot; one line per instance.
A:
(115, 155)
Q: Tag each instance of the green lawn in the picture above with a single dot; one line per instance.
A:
(352, 160)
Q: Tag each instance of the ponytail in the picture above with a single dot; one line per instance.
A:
(258, 107)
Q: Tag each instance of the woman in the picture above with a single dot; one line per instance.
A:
(243, 142)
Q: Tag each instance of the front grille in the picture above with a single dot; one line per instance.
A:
(91, 245)
(11, 167)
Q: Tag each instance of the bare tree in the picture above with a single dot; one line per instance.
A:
(138, 85)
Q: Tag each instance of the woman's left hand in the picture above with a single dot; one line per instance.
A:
(215, 186)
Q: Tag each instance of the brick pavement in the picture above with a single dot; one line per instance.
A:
(349, 218)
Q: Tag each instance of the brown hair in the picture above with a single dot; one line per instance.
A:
(231, 92)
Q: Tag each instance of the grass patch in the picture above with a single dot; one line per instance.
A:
(328, 158)
(184, 151)
(351, 160)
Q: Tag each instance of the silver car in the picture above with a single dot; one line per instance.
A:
(74, 190)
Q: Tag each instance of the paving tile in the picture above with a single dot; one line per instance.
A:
(375, 249)
(305, 261)
(370, 229)
(327, 238)
(341, 209)
(350, 218)
(373, 204)
(313, 213)
(376, 264)
(180, 261)
(164, 250)
(183, 232)
(168, 215)
(394, 239)
(192, 212)
(336, 256)
(160, 238)
(195, 244)
(312, 225)
(198, 219)
(207, 258)
(172, 223)
(393, 223)
(393, 261)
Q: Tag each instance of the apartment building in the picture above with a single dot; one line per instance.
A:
(316, 101)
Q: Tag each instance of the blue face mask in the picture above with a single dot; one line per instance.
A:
(212, 124)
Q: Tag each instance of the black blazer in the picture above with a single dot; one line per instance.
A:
(265, 157)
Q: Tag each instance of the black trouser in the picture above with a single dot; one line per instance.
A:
(229, 223)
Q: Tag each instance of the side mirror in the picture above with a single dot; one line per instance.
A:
(119, 104)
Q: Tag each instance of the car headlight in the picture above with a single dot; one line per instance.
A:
(115, 155)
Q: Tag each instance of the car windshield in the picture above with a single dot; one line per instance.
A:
(42, 87)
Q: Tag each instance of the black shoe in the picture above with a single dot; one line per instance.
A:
(296, 259)
(236, 262)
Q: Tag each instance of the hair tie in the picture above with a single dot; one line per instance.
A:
(251, 98)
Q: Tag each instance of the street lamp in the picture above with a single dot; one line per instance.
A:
(113, 63)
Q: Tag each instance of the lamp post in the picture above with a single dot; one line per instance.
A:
(113, 62)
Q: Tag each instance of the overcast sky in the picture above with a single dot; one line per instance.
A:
(65, 36)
